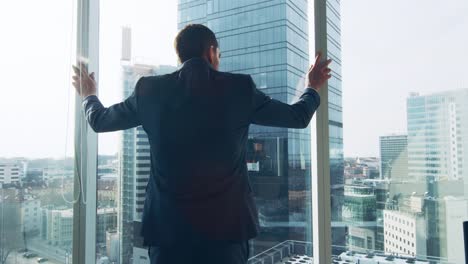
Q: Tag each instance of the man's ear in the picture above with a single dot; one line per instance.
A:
(212, 54)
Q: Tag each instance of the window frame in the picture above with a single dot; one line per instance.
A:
(320, 152)
(86, 146)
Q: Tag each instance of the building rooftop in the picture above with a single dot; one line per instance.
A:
(287, 252)
(298, 259)
(363, 258)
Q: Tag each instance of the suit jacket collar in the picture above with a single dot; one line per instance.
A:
(195, 62)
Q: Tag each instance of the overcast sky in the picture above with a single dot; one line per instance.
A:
(390, 48)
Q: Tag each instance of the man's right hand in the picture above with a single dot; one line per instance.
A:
(318, 73)
(84, 83)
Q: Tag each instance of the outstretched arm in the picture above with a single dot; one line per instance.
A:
(104, 119)
(269, 112)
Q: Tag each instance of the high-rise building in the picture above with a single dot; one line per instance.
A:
(393, 157)
(135, 160)
(268, 40)
(438, 136)
(437, 145)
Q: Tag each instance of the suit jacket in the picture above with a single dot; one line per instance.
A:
(197, 120)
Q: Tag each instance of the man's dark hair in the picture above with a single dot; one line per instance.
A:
(193, 41)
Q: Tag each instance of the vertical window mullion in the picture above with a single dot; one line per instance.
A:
(84, 211)
(321, 154)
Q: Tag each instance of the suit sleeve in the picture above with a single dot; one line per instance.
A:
(119, 116)
(270, 112)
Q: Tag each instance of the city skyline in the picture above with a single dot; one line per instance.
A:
(397, 99)
(361, 53)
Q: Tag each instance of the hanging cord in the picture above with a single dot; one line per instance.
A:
(67, 126)
(83, 134)
(84, 126)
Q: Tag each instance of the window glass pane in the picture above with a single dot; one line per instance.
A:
(256, 40)
(37, 132)
(136, 39)
(399, 166)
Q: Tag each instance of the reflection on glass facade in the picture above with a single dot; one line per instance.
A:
(269, 41)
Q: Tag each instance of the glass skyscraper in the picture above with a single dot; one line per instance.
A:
(268, 40)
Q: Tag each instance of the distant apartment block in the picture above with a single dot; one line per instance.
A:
(11, 173)
(405, 233)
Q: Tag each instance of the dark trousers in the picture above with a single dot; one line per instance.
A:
(206, 252)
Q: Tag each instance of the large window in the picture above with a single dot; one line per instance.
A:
(37, 131)
(398, 158)
(393, 156)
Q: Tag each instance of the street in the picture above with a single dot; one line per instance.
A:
(17, 258)
(43, 250)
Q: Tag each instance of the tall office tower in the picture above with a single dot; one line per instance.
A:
(437, 150)
(335, 123)
(438, 136)
(268, 40)
(394, 157)
(134, 154)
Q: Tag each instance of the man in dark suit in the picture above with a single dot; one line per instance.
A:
(199, 206)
